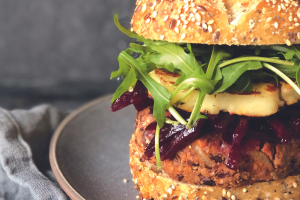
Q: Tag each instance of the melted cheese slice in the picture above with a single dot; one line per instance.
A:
(265, 100)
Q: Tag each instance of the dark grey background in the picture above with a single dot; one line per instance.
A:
(59, 51)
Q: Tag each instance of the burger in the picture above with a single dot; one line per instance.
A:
(216, 88)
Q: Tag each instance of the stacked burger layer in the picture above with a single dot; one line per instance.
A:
(216, 88)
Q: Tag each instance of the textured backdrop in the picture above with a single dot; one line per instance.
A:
(59, 49)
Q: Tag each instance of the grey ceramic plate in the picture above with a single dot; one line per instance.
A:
(89, 152)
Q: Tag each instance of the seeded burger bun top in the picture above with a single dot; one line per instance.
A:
(230, 22)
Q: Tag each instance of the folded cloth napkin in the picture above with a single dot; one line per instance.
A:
(25, 171)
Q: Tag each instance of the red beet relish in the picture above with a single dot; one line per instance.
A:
(278, 128)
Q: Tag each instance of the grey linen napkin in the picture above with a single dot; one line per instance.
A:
(24, 142)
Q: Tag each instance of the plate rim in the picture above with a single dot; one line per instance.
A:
(62, 181)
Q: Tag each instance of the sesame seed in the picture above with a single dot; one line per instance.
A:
(298, 13)
(298, 35)
(193, 4)
(233, 197)
(210, 22)
(165, 195)
(264, 10)
(162, 37)
(205, 192)
(148, 20)
(169, 190)
(154, 14)
(182, 16)
(228, 194)
(186, 8)
(244, 190)
(176, 17)
(224, 192)
(166, 18)
(179, 11)
(198, 17)
(204, 197)
(204, 27)
(295, 19)
(194, 10)
(193, 19)
(184, 26)
(178, 23)
(209, 28)
(137, 197)
(269, 19)
(125, 180)
(183, 36)
(283, 6)
(294, 183)
(276, 25)
(232, 27)
(154, 4)
(279, 8)
(274, 1)
(290, 18)
(288, 42)
(176, 29)
(198, 23)
(131, 29)
(186, 1)
(144, 8)
(139, 2)
(297, 24)
(291, 27)
(210, 189)
(186, 22)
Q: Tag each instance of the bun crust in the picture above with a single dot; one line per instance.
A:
(159, 186)
(230, 22)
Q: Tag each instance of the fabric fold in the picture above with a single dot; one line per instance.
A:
(24, 144)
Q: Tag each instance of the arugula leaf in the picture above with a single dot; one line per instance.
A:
(288, 70)
(260, 74)
(129, 80)
(283, 76)
(233, 72)
(257, 50)
(175, 54)
(243, 84)
(217, 55)
(159, 93)
(140, 48)
(255, 58)
(129, 33)
(298, 76)
(123, 70)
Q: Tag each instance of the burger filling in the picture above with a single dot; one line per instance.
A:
(220, 110)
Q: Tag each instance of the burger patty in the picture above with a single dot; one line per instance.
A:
(203, 160)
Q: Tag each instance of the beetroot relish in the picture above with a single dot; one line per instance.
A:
(236, 130)
(138, 97)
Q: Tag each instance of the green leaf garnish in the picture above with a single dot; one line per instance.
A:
(232, 73)
(207, 69)
(283, 76)
(254, 58)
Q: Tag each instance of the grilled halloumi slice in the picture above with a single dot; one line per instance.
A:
(265, 99)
